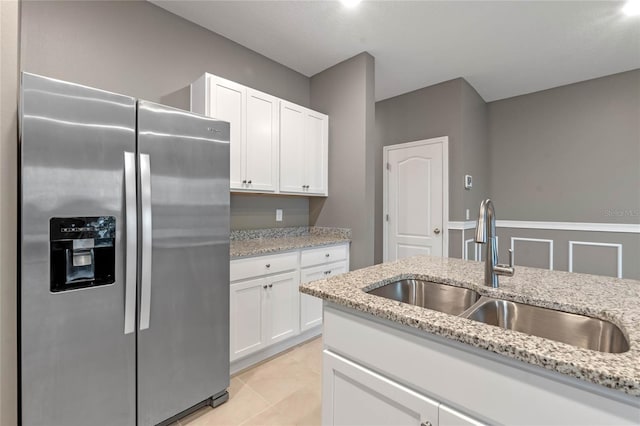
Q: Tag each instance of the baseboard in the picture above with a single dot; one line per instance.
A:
(249, 361)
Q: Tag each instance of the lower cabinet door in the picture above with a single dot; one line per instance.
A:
(282, 300)
(354, 395)
(247, 313)
(311, 307)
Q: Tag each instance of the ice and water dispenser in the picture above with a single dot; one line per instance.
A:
(82, 251)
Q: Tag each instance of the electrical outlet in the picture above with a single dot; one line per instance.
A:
(278, 215)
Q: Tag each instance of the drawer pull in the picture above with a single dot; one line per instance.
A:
(268, 265)
(327, 272)
(327, 255)
(264, 286)
(270, 285)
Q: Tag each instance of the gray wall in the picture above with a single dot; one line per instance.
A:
(9, 25)
(571, 153)
(428, 113)
(476, 154)
(452, 109)
(139, 49)
(251, 211)
(345, 92)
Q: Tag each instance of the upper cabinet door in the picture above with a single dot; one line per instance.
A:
(316, 152)
(262, 137)
(227, 102)
(292, 148)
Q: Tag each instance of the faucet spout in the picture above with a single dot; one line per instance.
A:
(486, 234)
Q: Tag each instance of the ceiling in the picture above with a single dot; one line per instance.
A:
(502, 49)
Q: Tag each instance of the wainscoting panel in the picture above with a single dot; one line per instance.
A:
(533, 252)
(595, 258)
(601, 249)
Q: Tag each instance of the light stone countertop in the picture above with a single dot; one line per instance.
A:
(612, 299)
(256, 242)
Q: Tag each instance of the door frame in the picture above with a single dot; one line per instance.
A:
(442, 140)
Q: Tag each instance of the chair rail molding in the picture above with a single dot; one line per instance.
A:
(632, 228)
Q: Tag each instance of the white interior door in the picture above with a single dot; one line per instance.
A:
(416, 199)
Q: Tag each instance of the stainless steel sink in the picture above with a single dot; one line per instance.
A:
(578, 330)
(436, 296)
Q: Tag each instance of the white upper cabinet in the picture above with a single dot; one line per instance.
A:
(276, 146)
(303, 150)
(253, 116)
(261, 142)
(227, 102)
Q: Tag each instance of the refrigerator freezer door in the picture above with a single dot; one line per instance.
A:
(183, 351)
(77, 363)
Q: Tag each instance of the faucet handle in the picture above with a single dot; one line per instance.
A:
(507, 270)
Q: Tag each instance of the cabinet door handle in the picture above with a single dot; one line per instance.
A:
(426, 423)
(327, 272)
(264, 286)
(327, 255)
(268, 265)
(270, 285)
(249, 182)
(244, 181)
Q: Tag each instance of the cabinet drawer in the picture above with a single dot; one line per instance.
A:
(262, 265)
(322, 255)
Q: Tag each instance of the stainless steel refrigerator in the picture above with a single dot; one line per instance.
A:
(124, 258)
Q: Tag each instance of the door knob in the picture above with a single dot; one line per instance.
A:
(436, 231)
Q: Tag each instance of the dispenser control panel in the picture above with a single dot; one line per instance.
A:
(82, 252)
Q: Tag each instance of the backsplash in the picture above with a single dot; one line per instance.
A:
(298, 231)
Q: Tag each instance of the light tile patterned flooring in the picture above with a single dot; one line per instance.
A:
(285, 390)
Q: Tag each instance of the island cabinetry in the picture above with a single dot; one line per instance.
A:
(319, 263)
(263, 302)
(470, 386)
(303, 150)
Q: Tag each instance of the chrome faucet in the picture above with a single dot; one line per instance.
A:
(486, 233)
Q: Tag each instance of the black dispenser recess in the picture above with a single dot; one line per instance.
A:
(82, 252)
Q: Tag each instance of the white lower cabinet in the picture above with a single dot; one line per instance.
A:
(318, 263)
(267, 311)
(354, 395)
(311, 307)
(282, 307)
(371, 362)
(247, 317)
(263, 311)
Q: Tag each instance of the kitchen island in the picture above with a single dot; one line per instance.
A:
(435, 368)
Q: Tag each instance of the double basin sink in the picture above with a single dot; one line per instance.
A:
(574, 329)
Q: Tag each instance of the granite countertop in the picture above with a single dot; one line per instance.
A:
(612, 299)
(255, 242)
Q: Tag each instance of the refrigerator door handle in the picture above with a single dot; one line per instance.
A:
(131, 242)
(145, 287)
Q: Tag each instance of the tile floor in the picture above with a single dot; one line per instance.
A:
(283, 391)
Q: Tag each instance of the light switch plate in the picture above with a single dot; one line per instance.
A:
(468, 181)
(278, 215)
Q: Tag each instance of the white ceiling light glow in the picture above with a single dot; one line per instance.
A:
(632, 8)
(350, 3)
